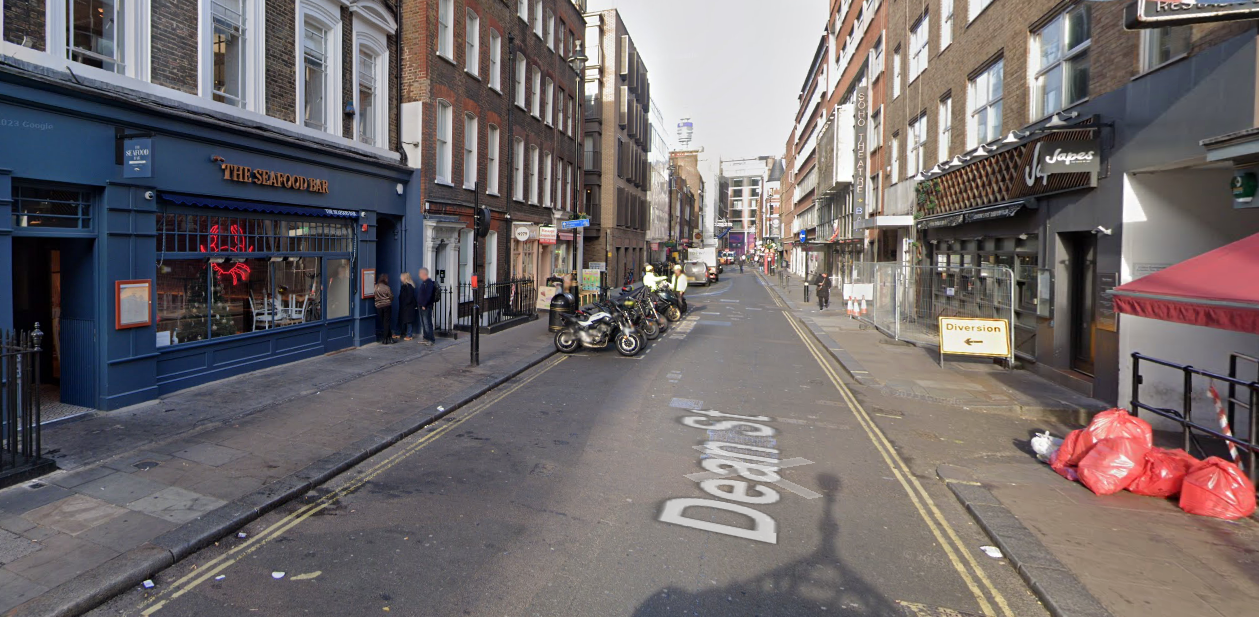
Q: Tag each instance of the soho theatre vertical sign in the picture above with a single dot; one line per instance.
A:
(860, 119)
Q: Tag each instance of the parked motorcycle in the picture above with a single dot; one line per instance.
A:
(677, 306)
(597, 326)
(641, 311)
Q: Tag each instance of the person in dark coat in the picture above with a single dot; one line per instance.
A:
(824, 292)
(407, 307)
(426, 295)
(384, 310)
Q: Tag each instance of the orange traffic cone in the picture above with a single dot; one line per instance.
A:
(863, 305)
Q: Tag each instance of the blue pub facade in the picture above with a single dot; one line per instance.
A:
(160, 246)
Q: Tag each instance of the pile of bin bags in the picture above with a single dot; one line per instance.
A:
(1116, 452)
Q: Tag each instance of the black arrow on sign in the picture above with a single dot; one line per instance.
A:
(973, 342)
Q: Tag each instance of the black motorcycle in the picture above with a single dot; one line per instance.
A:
(598, 325)
(676, 305)
(641, 311)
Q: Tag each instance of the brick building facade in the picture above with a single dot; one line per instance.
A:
(489, 98)
(617, 136)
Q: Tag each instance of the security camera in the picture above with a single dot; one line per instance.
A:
(149, 195)
(1103, 231)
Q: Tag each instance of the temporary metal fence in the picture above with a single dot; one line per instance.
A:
(1240, 395)
(20, 443)
(501, 302)
(906, 302)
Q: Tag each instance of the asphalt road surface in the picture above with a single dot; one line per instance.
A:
(726, 471)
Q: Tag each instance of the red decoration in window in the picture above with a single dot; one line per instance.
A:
(236, 244)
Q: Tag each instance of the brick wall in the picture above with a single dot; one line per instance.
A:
(174, 40)
(24, 18)
(281, 61)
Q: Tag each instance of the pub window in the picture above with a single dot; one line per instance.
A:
(95, 33)
(228, 50)
(225, 275)
(40, 207)
(315, 77)
(367, 100)
(1060, 59)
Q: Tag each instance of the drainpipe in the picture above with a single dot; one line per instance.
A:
(397, 50)
(511, 147)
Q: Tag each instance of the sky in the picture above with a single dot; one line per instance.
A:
(735, 67)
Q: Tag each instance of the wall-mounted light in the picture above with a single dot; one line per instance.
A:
(1060, 119)
(1022, 236)
(1015, 137)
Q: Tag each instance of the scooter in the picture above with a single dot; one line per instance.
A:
(596, 327)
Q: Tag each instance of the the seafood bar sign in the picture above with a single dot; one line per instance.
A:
(1163, 13)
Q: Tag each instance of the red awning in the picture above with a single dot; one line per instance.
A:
(1218, 289)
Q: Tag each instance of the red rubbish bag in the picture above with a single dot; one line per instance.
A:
(1113, 464)
(1164, 473)
(1218, 488)
(1118, 423)
(1067, 456)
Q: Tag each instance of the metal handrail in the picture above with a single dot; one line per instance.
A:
(1184, 417)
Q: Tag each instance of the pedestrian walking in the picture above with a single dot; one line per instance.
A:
(408, 310)
(678, 283)
(384, 310)
(824, 292)
(426, 297)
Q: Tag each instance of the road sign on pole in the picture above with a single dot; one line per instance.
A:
(575, 223)
(804, 235)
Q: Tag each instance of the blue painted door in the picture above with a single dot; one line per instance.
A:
(78, 327)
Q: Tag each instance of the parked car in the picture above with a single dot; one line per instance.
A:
(696, 272)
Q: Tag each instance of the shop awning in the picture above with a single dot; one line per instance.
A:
(253, 206)
(1218, 289)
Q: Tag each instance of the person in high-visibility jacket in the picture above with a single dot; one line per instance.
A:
(678, 283)
(651, 280)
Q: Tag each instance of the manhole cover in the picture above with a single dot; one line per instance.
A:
(146, 465)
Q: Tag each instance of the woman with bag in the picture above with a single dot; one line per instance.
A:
(407, 307)
(384, 310)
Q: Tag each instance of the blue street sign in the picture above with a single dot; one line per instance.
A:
(574, 224)
(137, 158)
(804, 236)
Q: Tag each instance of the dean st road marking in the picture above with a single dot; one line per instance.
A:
(741, 461)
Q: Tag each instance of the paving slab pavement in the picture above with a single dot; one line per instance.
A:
(142, 487)
(1082, 554)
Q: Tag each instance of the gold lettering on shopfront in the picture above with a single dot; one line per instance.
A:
(264, 177)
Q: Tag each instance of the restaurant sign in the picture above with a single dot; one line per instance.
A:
(249, 175)
(1062, 157)
(1145, 14)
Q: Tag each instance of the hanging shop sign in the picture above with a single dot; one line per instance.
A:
(264, 177)
(137, 158)
(1057, 162)
(1244, 185)
(566, 236)
(525, 232)
(547, 234)
(1145, 14)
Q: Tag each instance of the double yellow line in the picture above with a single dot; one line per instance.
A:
(961, 558)
(217, 565)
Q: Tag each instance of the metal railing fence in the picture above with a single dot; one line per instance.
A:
(20, 441)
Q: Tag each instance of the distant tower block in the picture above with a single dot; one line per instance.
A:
(686, 131)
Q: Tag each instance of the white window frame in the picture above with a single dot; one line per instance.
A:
(1039, 75)
(547, 165)
(916, 146)
(446, 29)
(946, 23)
(944, 122)
(327, 15)
(522, 10)
(443, 132)
(492, 153)
(976, 8)
(244, 26)
(875, 136)
(537, 18)
(896, 73)
(471, 135)
(371, 30)
(549, 110)
(535, 98)
(132, 43)
(518, 169)
(876, 58)
(896, 159)
(568, 187)
(533, 175)
(491, 258)
(1152, 40)
(919, 46)
(496, 61)
(548, 30)
(521, 78)
(472, 43)
(559, 108)
(975, 107)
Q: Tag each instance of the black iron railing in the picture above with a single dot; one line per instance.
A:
(20, 444)
(1240, 397)
(445, 312)
(501, 302)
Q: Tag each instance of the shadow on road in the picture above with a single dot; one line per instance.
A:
(818, 584)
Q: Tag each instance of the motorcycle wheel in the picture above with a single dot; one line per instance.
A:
(628, 345)
(650, 329)
(566, 341)
(674, 313)
(663, 323)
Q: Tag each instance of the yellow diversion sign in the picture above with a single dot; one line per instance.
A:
(975, 337)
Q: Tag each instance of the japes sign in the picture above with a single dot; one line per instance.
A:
(1062, 157)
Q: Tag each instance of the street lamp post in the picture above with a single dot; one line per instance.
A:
(578, 62)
